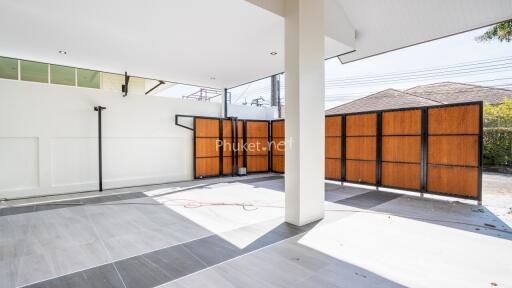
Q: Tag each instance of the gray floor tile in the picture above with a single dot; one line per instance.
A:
(278, 233)
(345, 275)
(209, 278)
(301, 255)
(99, 277)
(7, 273)
(213, 249)
(176, 261)
(34, 268)
(140, 272)
(369, 199)
(259, 266)
(16, 210)
(75, 258)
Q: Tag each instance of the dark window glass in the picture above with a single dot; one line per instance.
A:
(88, 78)
(62, 75)
(34, 71)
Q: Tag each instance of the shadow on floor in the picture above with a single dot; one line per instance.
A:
(457, 215)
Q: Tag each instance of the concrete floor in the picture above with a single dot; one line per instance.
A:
(230, 233)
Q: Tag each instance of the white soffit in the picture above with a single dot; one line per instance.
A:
(221, 43)
(386, 25)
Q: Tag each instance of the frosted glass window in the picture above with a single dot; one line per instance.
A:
(62, 75)
(8, 68)
(88, 78)
(34, 71)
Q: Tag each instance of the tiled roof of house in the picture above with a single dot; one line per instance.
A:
(383, 100)
(450, 92)
(424, 95)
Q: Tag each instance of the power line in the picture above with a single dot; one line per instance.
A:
(481, 71)
(462, 64)
(472, 69)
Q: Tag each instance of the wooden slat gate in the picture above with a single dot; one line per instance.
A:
(333, 147)
(257, 133)
(435, 150)
(219, 149)
(277, 146)
(207, 155)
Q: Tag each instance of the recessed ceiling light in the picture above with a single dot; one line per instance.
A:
(273, 53)
(63, 52)
(212, 78)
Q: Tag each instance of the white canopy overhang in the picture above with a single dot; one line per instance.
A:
(221, 43)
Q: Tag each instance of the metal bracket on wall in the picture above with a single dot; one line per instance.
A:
(124, 87)
(154, 87)
(177, 123)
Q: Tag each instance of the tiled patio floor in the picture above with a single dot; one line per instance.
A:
(231, 233)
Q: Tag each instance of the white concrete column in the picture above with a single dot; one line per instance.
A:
(304, 128)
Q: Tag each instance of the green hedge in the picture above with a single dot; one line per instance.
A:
(497, 146)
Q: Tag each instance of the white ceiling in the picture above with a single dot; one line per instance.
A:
(386, 25)
(191, 41)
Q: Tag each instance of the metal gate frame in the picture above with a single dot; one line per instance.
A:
(234, 132)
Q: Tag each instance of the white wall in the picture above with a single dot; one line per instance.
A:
(48, 138)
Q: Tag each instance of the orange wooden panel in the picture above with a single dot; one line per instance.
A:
(257, 129)
(332, 147)
(278, 164)
(240, 152)
(453, 150)
(361, 124)
(240, 126)
(360, 171)
(361, 148)
(207, 127)
(401, 148)
(406, 122)
(278, 129)
(257, 163)
(227, 146)
(278, 146)
(454, 120)
(226, 166)
(257, 146)
(207, 147)
(226, 129)
(240, 159)
(401, 175)
(333, 169)
(333, 126)
(207, 167)
(459, 181)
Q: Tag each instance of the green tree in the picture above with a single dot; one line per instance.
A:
(498, 134)
(498, 115)
(501, 31)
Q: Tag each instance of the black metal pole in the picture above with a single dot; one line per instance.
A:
(480, 151)
(343, 148)
(100, 164)
(276, 93)
(424, 150)
(221, 152)
(226, 115)
(378, 168)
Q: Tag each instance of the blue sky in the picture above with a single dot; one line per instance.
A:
(453, 50)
